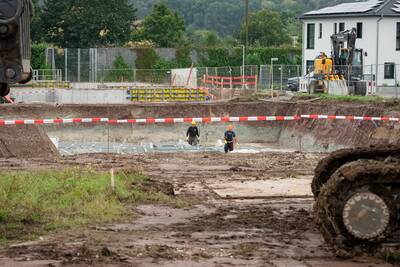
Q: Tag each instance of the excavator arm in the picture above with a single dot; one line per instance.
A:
(343, 51)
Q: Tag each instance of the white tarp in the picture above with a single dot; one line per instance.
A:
(184, 78)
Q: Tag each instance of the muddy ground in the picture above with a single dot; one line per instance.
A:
(213, 231)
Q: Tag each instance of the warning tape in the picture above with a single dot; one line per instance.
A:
(199, 120)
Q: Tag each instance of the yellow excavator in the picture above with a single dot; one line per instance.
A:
(343, 69)
(15, 43)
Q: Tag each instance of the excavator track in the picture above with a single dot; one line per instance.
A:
(328, 166)
(344, 212)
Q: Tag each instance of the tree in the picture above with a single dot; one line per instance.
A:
(163, 26)
(87, 23)
(266, 28)
(204, 38)
(37, 25)
(224, 16)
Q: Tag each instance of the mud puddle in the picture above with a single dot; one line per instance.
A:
(75, 148)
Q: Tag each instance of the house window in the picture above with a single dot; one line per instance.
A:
(341, 26)
(320, 31)
(311, 36)
(389, 70)
(359, 30)
(398, 37)
(334, 28)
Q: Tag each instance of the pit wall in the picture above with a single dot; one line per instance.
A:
(304, 135)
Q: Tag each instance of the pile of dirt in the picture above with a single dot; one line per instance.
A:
(26, 142)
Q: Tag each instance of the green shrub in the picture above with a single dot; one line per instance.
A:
(120, 72)
(39, 56)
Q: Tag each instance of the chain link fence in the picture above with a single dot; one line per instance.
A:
(385, 78)
(99, 66)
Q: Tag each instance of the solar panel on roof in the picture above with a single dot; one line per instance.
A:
(358, 7)
(396, 6)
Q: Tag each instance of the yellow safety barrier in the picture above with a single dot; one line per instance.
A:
(51, 84)
(166, 94)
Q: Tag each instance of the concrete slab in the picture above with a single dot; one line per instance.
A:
(298, 187)
(288, 263)
(339, 263)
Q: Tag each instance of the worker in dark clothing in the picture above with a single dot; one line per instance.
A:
(230, 139)
(193, 134)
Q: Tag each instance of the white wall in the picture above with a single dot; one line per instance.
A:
(387, 43)
(70, 96)
(367, 43)
(387, 49)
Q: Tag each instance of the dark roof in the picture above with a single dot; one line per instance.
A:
(371, 8)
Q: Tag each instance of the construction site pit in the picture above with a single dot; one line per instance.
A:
(252, 207)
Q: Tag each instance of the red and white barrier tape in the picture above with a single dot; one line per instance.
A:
(199, 120)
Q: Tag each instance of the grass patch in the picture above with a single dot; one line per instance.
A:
(34, 202)
(346, 98)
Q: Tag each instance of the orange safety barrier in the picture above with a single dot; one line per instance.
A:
(225, 80)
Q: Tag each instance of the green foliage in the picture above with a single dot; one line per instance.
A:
(120, 72)
(37, 33)
(222, 16)
(147, 58)
(346, 98)
(225, 16)
(45, 200)
(87, 23)
(164, 27)
(266, 29)
(39, 56)
(204, 38)
(216, 57)
(183, 58)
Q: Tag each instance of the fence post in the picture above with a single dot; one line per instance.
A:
(259, 79)
(66, 64)
(395, 81)
(281, 77)
(79, 65)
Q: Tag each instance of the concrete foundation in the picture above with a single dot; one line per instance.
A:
(70, 96)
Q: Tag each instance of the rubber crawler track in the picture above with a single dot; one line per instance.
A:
(328, 166)
(351, 178)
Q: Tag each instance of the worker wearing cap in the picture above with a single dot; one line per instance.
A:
(193, 134)
(230, 139)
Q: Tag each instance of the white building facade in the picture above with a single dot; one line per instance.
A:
(378, 35)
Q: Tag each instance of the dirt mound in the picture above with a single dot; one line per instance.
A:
(25, 141)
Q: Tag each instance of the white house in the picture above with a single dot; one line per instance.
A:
(378, 30)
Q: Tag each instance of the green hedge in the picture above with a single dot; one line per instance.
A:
(39, 56)
(147, 58)
(214, 57)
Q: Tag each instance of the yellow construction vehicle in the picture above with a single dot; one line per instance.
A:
(343, 69)
(323, 68)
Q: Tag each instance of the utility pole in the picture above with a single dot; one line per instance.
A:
(247, 22)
